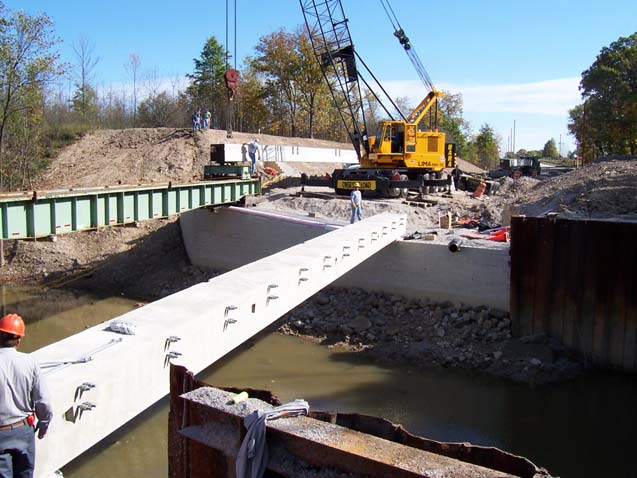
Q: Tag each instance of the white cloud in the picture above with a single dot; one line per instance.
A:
(550, 97)
(540, 108)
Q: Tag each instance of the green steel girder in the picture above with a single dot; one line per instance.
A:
(35, 214)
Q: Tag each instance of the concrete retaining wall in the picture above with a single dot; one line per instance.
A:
(270, 152)
(227, 238)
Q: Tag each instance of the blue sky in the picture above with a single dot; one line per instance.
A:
(512, 60)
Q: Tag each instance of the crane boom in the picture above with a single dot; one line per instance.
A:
(329, 34)
(401, 154)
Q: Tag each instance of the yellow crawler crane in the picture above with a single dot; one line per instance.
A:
(400, 144)
(405, 154)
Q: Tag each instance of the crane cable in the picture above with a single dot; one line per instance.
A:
(231, 76)
(235, 34)
(404, 41)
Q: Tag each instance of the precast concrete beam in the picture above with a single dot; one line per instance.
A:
(100, 379)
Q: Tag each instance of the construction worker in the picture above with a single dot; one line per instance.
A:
(22, 394)
(356, 202)
(253, 149)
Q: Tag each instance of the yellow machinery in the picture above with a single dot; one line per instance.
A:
(399, 144)
(407, 153)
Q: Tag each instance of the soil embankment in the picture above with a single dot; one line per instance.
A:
(147, 261)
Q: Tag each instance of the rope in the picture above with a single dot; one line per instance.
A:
(252, 458)
(57, 365)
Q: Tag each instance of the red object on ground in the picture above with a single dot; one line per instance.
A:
(482, 187)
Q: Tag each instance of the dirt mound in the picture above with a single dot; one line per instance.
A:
(607, 189)
(146, 155)
(132, 156)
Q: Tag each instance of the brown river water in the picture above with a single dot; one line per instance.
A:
(583, 428)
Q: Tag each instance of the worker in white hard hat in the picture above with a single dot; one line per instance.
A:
(253, 151)
(23, 397)
(356, 202)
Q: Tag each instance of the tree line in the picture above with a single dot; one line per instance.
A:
(606, 122)
(45, 103)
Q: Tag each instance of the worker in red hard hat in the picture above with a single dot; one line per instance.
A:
(23, 396)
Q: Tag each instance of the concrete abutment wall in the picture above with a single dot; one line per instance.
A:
(226, 238)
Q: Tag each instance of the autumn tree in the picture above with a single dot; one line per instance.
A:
(451, 121)
(607, 121)
(313, 88)
(278, 63)
(28, 62)
(251, 113)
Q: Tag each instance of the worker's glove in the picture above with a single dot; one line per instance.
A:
(41, 429)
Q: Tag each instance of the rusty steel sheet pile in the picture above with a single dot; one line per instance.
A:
(206, 430)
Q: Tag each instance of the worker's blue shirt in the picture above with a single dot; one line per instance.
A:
(356, 198)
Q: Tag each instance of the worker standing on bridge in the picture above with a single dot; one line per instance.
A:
(196, 121)
(253, 149)
(22, 393)
(356, 201)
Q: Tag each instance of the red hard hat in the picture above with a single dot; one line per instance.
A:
(12, 324)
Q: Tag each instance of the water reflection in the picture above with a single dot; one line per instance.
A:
(582, 428)
(52, 314)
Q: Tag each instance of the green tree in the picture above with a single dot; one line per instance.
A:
(550, 150)
(207, 89)
(157, 111)
(607, 122)
(27, 63)
(486, 147)
(85, 103)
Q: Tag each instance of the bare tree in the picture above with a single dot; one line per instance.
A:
(86, 62)
(132, 68)
(152, 83)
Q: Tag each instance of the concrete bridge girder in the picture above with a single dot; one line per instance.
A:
(115, 377)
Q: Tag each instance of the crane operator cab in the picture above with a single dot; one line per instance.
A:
(390, 138)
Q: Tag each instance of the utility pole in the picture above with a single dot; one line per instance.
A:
(513, 138)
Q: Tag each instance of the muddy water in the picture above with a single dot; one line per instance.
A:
(581, 429)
